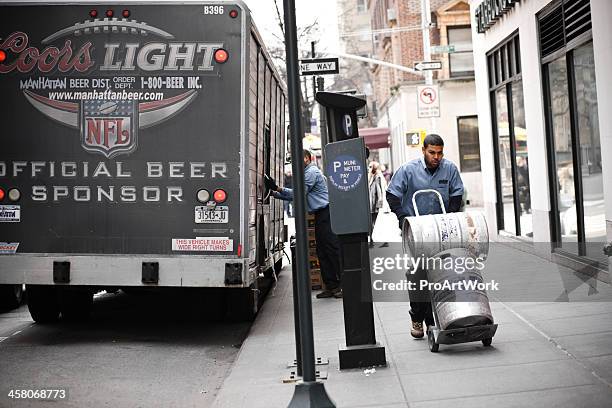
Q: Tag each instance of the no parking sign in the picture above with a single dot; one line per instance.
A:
(428, 101)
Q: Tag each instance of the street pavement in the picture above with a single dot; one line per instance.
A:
(142, 350)
(545, 354)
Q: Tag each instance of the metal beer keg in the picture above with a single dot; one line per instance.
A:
(427, 235)
(457, 308)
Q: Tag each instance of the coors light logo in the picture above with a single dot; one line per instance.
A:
(108, 111)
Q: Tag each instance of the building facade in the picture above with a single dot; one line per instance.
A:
(355, 38)
(543, 84)
(399, 40)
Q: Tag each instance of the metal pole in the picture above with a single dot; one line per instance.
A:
(313, 54)
(310, 393)
(425, 24)
(376, 62)
(296, 315)
(322, 114)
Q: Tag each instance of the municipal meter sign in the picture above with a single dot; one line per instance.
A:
(345, 172)
(347, 184)
(428, 101)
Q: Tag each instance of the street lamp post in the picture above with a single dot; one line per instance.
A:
(309, 392)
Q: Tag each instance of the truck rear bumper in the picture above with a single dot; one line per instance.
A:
(100, 270)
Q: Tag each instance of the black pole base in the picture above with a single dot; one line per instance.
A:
(362, 356)
(311, 394)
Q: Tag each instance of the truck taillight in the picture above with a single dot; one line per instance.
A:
(14, 194)
(219, 196)
(2, 56)
(203, 196)
(221, 56)
(233, 13)
(239, 250)
(125, 13)
(1, 194)
(110, 13)
(93, 13)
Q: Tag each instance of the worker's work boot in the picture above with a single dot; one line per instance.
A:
(328, 293)
(417, 330)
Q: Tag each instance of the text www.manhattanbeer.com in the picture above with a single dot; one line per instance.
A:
(107, 95)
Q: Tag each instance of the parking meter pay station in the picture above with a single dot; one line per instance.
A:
(349, 206)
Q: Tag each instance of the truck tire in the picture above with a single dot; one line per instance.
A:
(75, 304)
(241, 304)
(11, 296)
(43, 303)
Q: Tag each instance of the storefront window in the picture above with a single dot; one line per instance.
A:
(590, 150)
(514, 189)
(561, 131)
(505, 159)
(573, 128)
(522, 160)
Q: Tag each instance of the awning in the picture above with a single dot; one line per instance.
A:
(375, 138)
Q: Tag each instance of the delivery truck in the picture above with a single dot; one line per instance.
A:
(135, 137)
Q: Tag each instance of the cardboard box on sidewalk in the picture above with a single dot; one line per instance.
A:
(311, 233)
(310, 221)
(316, 282)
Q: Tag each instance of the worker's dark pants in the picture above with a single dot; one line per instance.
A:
(420, 304)
(328, 250)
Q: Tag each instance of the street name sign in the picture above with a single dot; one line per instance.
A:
(319, 66)
(428, 65)
(442, 49)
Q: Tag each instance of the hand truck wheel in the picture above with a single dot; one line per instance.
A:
(433, 346)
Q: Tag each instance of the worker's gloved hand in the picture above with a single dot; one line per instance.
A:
(270, 183)
(401, 221)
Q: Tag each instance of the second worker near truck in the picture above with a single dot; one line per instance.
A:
(317, 201)
(431, 171)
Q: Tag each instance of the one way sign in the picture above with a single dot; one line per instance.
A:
(428, 65)
(319, 66)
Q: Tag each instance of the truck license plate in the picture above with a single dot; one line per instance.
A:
(218, 215)
(10, 213)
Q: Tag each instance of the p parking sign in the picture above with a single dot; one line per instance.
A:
(345, 172)
(349, 203)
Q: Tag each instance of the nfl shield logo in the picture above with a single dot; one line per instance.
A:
(109, 127)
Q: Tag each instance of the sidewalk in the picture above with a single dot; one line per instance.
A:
(544, 354)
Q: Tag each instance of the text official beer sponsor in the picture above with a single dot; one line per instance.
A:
(95, 172)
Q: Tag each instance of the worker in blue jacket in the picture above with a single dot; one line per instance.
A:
(431, 171)
(317, 202)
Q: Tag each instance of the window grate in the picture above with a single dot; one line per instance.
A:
(504, 62)
(565, 23)
(552, 37)
(577, 15)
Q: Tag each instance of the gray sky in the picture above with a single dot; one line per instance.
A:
(307, 11)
